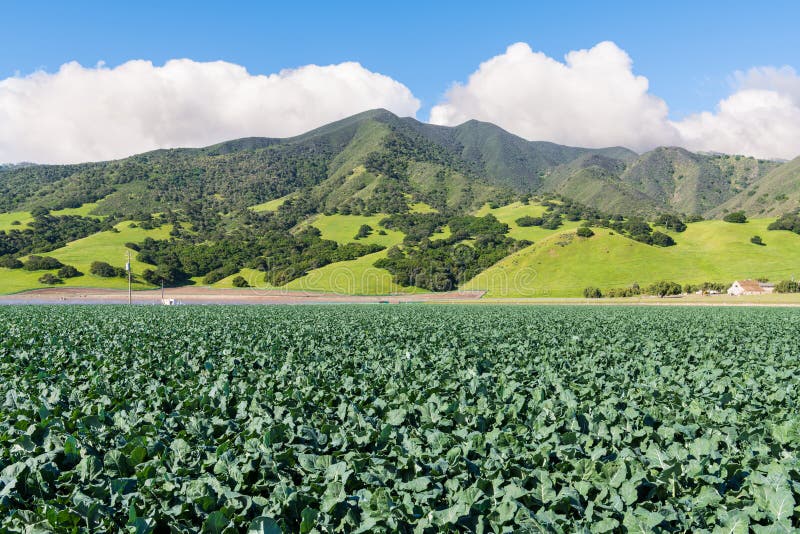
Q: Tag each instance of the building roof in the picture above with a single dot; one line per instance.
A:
(750, 285)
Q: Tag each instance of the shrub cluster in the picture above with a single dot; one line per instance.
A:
(592, 293)
(106, 270)
(670, 222)
(527, 220)
(42, 263)
(788, 221)
(735, 217)
(706, 286)
(664, 288)
(239, 281)
(363, 231)
(68, 271)
(787, 286)
(632, 291)
(9, 262)
(50, 280)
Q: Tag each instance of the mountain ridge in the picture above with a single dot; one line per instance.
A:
(473, 162)
(402, 203)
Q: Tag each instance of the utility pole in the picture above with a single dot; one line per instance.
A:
(128, 268)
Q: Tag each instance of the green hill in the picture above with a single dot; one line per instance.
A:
(593, 179)
(562, 265)
(778, 192)
(286, 211)
(108, 246)
(692, 183)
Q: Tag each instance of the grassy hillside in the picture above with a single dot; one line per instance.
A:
(270, 205)
(343, 229)
(692, 183)
(773, 195)
(355, 277)
(22, 217)
(559, 264)
(512, 161)
(562, 265)
(254, 278)
(84, 210)
(102, 246)
(510, 213)
(359, 276)
(593, 180)
(246, 202)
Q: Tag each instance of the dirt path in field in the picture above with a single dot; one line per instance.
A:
(204, 295)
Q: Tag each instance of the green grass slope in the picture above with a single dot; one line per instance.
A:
(343, 229)
(24, 217)
(510, 213)
(102, 246)
(358, 276)
(84, 210)
(270, 205)
(7, 220)
(355, 277)
(563, 264)
(254, 278)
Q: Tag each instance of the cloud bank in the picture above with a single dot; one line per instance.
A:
(88, 114)
(761, 118)
(591, 100)
(594, 99)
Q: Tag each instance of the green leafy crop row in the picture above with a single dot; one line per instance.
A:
(402, 418)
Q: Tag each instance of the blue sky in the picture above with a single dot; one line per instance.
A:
(688, 51)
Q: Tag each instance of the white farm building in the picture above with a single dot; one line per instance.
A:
(750, 287)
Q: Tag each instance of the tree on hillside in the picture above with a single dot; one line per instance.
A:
(787, 221)
(169, 275)
(660, 239)
(42, 263)
(527, 220)
(735, 217)
(592, 293)
(239, 281)
(105, 270)
(664, 288)
(50, 280)
(670, 222)
(10, 263)
(364, 231)
(68, 271)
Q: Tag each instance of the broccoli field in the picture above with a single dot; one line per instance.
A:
(399, 418)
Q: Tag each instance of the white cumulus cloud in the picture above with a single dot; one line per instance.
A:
(761, 118)
(88, 114)
(594, 99)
